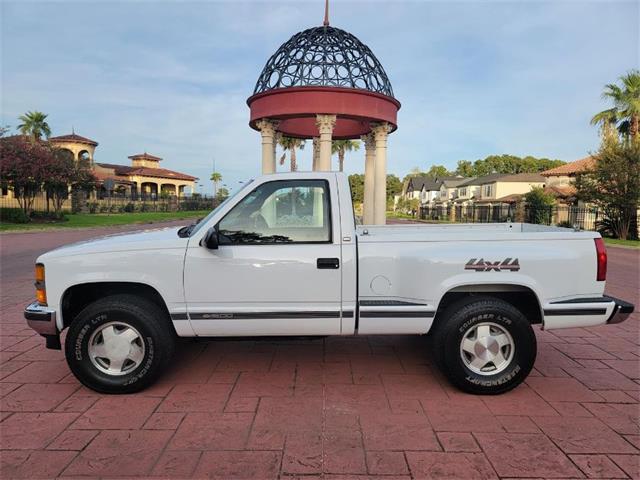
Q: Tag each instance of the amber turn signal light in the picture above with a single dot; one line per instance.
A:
(41, 292)
(41, 296)
(39, 272)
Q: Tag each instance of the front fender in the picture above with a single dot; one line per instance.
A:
(160, 269)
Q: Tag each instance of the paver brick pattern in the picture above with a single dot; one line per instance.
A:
(334, 408)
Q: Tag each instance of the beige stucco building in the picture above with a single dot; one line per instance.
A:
(144, 177)
(498, 188)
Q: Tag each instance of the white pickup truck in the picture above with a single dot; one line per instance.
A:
(284, 256)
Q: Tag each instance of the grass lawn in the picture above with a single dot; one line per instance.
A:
(622, 243)
(89, 220)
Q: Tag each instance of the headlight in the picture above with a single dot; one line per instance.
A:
(41, 291)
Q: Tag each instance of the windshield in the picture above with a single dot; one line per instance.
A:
(206, 219)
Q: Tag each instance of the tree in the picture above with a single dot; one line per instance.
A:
(34, 124)
(216, 178)
(625, 113)
(438, 171)
(464, 168)
(65, 174)
(290, 144)
(342, 146)
(505, 164)
(24, 168)
(394, 187)
(221, 195)
(613, 184)
(356, 182)
(539, 205)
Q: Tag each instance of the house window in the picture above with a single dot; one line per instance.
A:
(5, 191)
(463, 192)
(488, 190)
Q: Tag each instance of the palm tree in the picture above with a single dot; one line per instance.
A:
(291, 144)
(342, 146)
(34, 124)
(625, 113)
(608, 121)
(215, 178)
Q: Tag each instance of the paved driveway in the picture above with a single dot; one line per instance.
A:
(363, 407)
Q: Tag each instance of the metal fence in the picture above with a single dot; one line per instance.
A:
(117, 203)
(568, 216)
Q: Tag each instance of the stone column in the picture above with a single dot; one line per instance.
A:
(316, 153)
(369, 180)
(380, 132)
(268, 131)
(325, 125)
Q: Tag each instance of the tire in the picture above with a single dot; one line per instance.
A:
(134, 335)
(499, 350)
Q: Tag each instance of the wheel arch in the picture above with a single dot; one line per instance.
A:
(522, 297)
(77, 297)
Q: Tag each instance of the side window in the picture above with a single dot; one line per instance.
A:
(291, 211)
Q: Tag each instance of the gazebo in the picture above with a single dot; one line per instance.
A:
(325, 84)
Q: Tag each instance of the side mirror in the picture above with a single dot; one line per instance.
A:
(210, 240)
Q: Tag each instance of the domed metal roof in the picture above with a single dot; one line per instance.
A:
(324, 56)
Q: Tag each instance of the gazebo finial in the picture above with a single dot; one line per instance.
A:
(326, 13)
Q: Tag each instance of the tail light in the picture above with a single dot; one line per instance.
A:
(601, 252)
(41, 292)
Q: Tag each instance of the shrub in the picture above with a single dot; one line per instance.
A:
(48, 216)
(93, 207)
(539, 206)
(129, 207)
(13, 215)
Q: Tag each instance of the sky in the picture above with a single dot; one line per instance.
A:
(475, 78)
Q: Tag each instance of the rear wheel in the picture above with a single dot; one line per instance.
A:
(119, 344)
(484, 345)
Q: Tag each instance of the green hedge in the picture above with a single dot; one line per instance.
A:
(13, 215)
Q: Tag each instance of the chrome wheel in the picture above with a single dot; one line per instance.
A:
(116, 348)
(487, 348)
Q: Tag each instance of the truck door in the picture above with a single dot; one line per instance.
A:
(277, 267)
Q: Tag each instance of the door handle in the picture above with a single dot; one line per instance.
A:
(328, 263)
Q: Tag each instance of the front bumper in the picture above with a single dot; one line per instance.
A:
(621, 311)
(42, 319)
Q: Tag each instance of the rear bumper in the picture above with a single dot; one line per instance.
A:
(586, 312)
(621, 311)
(41, 319)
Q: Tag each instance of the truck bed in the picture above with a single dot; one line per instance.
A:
(420, 263)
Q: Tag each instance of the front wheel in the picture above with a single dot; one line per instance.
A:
(484, 345)
(119, 344)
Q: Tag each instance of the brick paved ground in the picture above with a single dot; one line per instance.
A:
(364, 407)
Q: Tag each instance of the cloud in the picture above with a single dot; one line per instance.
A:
(474, 78)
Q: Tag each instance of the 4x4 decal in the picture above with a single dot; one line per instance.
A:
(484, 266)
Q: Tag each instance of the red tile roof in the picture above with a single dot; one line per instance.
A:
(512, 198)
(101, 176)
(561, 191)
(145, 156)
(147, 172)
(161, 173)
(73, 137)
(582, 165)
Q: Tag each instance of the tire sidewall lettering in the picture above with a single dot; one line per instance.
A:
(81, 348)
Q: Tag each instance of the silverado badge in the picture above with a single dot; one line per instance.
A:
(484, 266)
